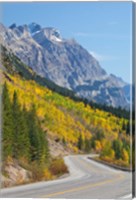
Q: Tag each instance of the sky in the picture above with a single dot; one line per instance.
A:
(103, 28)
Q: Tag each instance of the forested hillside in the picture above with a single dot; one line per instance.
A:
(78, 126)
(33, 114)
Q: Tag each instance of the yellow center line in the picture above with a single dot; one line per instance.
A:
(82, 187)
(118, 177)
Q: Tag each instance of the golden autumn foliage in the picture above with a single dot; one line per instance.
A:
(98, 146)
(56, 106)
(47, 174)
(67, 119)
(125, 156)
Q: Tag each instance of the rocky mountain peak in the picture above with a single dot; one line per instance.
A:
(34, 28)
(48, 33)
(52, 34)
(64, 62)
(19, 31)
(12, 26)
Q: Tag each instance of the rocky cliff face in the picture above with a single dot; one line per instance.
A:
(65, 62)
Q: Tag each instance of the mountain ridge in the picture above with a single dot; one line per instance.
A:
(65, 62)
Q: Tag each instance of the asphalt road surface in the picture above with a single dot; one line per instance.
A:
(87, 180)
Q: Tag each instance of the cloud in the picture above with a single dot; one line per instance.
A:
(101, 57)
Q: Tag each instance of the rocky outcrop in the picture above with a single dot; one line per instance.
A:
(14, 174)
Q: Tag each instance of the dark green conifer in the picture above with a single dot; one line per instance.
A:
(38, 140)
(24, 142)
(7, 124)
(87, 145)
(80, 142)
(17, 125)
(128, 128)
(117, 146)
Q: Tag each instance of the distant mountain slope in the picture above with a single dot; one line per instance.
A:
(65, 62)
(16, 66)
(13, 65)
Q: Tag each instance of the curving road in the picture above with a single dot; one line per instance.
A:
(87, 180)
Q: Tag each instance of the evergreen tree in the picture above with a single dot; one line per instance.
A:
(128, 128)
(87, 145)
(33, 133)
(38, 140)
(7, 124)
(123, 125)
(117, 146)
(93, 142)
(17, 120)
(43, 152)
(24, 136)
(21, 143)
(99, 134)
(80, 142)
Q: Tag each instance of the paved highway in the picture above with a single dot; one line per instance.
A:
(87, 180)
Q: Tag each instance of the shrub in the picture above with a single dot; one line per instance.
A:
(58, 167)
(125, 156)
(37, 172)
(47, 174)
(121, 163)
(40, 172)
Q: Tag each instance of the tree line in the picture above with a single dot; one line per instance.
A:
(22, 135)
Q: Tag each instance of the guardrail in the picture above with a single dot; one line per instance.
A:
(111, 165)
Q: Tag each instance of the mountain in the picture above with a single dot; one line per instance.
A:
(17, 67)
(12, 65)
(65, 62)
